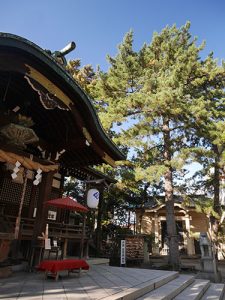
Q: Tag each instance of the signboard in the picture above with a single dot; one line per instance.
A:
(123, 253)
(47, 244)
(135, 248)
(52, 215)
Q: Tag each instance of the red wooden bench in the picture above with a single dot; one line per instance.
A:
(52, 267)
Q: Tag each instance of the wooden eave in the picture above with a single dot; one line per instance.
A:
(75, 128)
(88, 173)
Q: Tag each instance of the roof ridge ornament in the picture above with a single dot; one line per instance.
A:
(59, 56)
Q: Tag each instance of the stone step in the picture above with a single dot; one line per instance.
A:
(194, 291)
(214, 292)
(143, 288)
(169, 290)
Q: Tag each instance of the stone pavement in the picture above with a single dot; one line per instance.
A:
(100, 282)
(109, 283)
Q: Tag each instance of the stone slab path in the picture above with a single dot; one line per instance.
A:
(100, 282)
(103, 282)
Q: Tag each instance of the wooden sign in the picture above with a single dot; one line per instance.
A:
(135, 247)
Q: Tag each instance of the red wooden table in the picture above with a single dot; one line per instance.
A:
(54, 266)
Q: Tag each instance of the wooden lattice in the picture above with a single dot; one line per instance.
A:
(11, 192)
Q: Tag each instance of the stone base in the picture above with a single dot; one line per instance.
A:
(209, 270)
(207, 265)
(210, 276)
(5, 272)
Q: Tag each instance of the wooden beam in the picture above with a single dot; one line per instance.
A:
(10, 148)
(41, 215)
(104, 156)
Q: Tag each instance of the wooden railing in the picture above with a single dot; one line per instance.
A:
(66, 230)
(56, 230)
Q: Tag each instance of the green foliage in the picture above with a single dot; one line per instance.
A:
(206, 206)
(75, 189)
(144, 89)
(85, 75)
(165, 107)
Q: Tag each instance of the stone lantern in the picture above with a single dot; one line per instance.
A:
(209, 268)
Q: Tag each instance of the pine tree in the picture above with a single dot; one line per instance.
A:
(148, 95)
(208, 117)
(84, 75)
(166, 106)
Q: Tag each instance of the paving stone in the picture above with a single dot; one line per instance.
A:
(101, 282)
(143, 288)
(195, 291)
(75, 296)
(169, 290)
(214, 292)
(30, 296)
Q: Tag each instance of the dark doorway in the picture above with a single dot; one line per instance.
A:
(180, 226)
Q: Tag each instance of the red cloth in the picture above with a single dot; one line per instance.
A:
(59, 265)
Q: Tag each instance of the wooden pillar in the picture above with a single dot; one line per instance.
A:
(32, 201)
(160, 233)
(135, 221)
(86, 250)
(140, 221)
(189, 241)
(2, 175)
(83, 237)
(99, 220)
(156, 223)
(60, 212)
(65, 245)
(41, 215)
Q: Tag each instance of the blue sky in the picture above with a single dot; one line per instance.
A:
(98, 26)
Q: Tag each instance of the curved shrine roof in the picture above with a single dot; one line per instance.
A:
(33, 84)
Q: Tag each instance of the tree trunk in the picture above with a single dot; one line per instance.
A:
(216, 201)
(216, 182)
(174, 260)
(128, 221)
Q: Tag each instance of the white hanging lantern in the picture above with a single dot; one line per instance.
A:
(92, 198)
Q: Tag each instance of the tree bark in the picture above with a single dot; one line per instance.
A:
(216, 201)
(216, 182)
(173, 260)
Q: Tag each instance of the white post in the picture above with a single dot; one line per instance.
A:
(123, 253)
